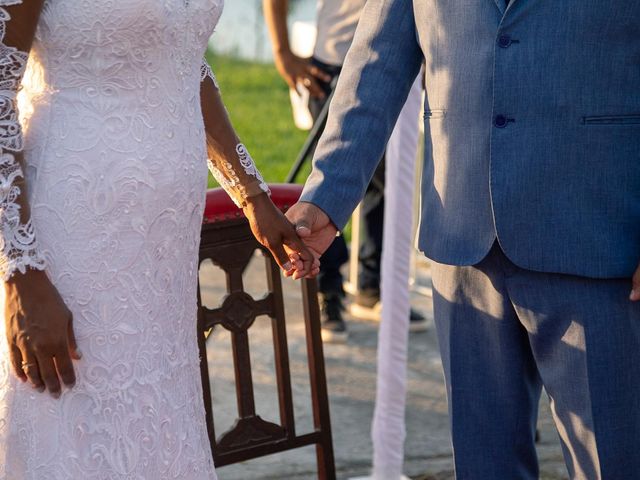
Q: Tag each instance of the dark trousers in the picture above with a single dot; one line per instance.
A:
(330, 278)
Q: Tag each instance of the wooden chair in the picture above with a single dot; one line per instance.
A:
(227, 241)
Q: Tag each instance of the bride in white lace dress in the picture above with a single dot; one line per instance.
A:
(101, 201)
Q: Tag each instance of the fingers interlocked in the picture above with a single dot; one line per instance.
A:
(293, 256)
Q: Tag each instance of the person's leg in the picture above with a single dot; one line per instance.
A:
(585, 336)
(370, 255)
(330, 279)
(493, 387)
(330, 287)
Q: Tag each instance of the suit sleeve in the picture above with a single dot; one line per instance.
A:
(18, 244)
(378, 72)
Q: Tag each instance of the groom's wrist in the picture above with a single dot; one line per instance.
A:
(338, 215)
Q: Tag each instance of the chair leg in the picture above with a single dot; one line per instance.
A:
(204, 374)
(319, 394)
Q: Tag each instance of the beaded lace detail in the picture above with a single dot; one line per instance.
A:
(250, 167)
(239, 186)
(239, 190)
(18, 246)
(206, 72)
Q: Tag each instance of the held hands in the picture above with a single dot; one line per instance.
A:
(272, 229)
(318, 232)
(313, 226)
(39, 333)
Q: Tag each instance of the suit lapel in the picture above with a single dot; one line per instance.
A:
(501, 4)
(511, 4)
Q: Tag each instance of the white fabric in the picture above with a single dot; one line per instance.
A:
(18, 246)
(117, 174)
(388, 431)
(227, 175)
(337, 22)
(302, 39)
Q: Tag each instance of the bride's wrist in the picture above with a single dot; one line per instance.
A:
(256, 202)
(30, 277)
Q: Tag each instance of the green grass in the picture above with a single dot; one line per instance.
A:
(258, 102)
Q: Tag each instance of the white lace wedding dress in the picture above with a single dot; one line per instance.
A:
(116, 172)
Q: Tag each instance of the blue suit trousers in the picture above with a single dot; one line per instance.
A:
(504, 334)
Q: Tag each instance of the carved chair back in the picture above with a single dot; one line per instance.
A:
(227, 241)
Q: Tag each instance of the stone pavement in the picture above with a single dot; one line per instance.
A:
(351, 376)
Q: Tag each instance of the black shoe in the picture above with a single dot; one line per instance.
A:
(417, 322)
(368, 306)
(334, 328)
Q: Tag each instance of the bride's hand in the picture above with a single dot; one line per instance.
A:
(39, 332)
(272, 229)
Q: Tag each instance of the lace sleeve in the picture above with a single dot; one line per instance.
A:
(230, 163)
(239, 177)
(18, 245)
(206, 72)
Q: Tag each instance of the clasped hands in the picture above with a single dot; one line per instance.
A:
(296, 240)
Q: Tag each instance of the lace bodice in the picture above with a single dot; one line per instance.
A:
(106, 55)
(116, 48)
(114, 176)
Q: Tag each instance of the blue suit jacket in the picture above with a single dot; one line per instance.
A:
(532, 128)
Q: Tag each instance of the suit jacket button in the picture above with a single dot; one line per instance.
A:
(504, 41)
(500, 121)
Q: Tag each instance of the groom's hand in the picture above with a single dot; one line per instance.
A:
(313, 226)
(274, 231)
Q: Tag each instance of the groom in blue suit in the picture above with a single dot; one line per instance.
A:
(530, 213)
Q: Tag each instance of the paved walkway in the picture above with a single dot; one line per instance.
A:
(351, 376)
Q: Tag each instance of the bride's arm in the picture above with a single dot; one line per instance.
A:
(233, 167)
(229, 160)
(38, 324)
(19, 249)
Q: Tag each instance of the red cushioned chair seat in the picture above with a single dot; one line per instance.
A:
(220, 207)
